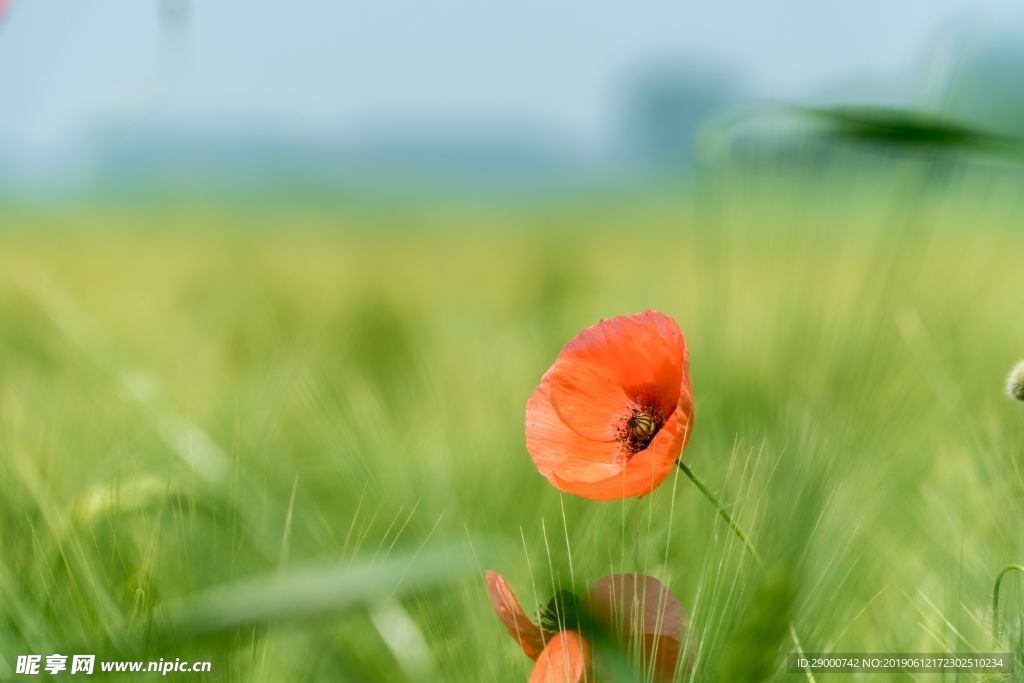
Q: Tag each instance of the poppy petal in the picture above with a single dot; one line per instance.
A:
(615, 365)
(645, 612)
(584, 471)
(551, 442)
(564, 660)
(650, 606)
(662, 653)
(529, 635)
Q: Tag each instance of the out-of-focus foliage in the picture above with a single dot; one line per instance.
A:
(915, 130)
(358, 378)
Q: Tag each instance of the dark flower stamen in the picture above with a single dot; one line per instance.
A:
(640, 428)
(563, 611)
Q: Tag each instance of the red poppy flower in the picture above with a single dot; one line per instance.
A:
(637, 609)
(611, 416)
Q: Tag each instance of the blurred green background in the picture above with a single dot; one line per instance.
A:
(262, 386)
(207, 400)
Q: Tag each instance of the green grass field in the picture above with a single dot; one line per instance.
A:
(290, 441)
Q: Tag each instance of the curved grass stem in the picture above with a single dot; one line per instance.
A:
(745, 539)
(995, 599)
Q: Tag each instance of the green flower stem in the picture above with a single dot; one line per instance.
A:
(723, 513)
(742, 535)
(995, 599)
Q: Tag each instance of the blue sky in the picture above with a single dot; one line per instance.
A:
(326, 67)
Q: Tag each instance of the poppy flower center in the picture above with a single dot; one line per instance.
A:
(563, 612)
(640, 428)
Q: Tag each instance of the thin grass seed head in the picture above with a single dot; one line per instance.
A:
(1015, 382)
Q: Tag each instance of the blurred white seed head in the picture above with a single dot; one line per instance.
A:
(1015, 382)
